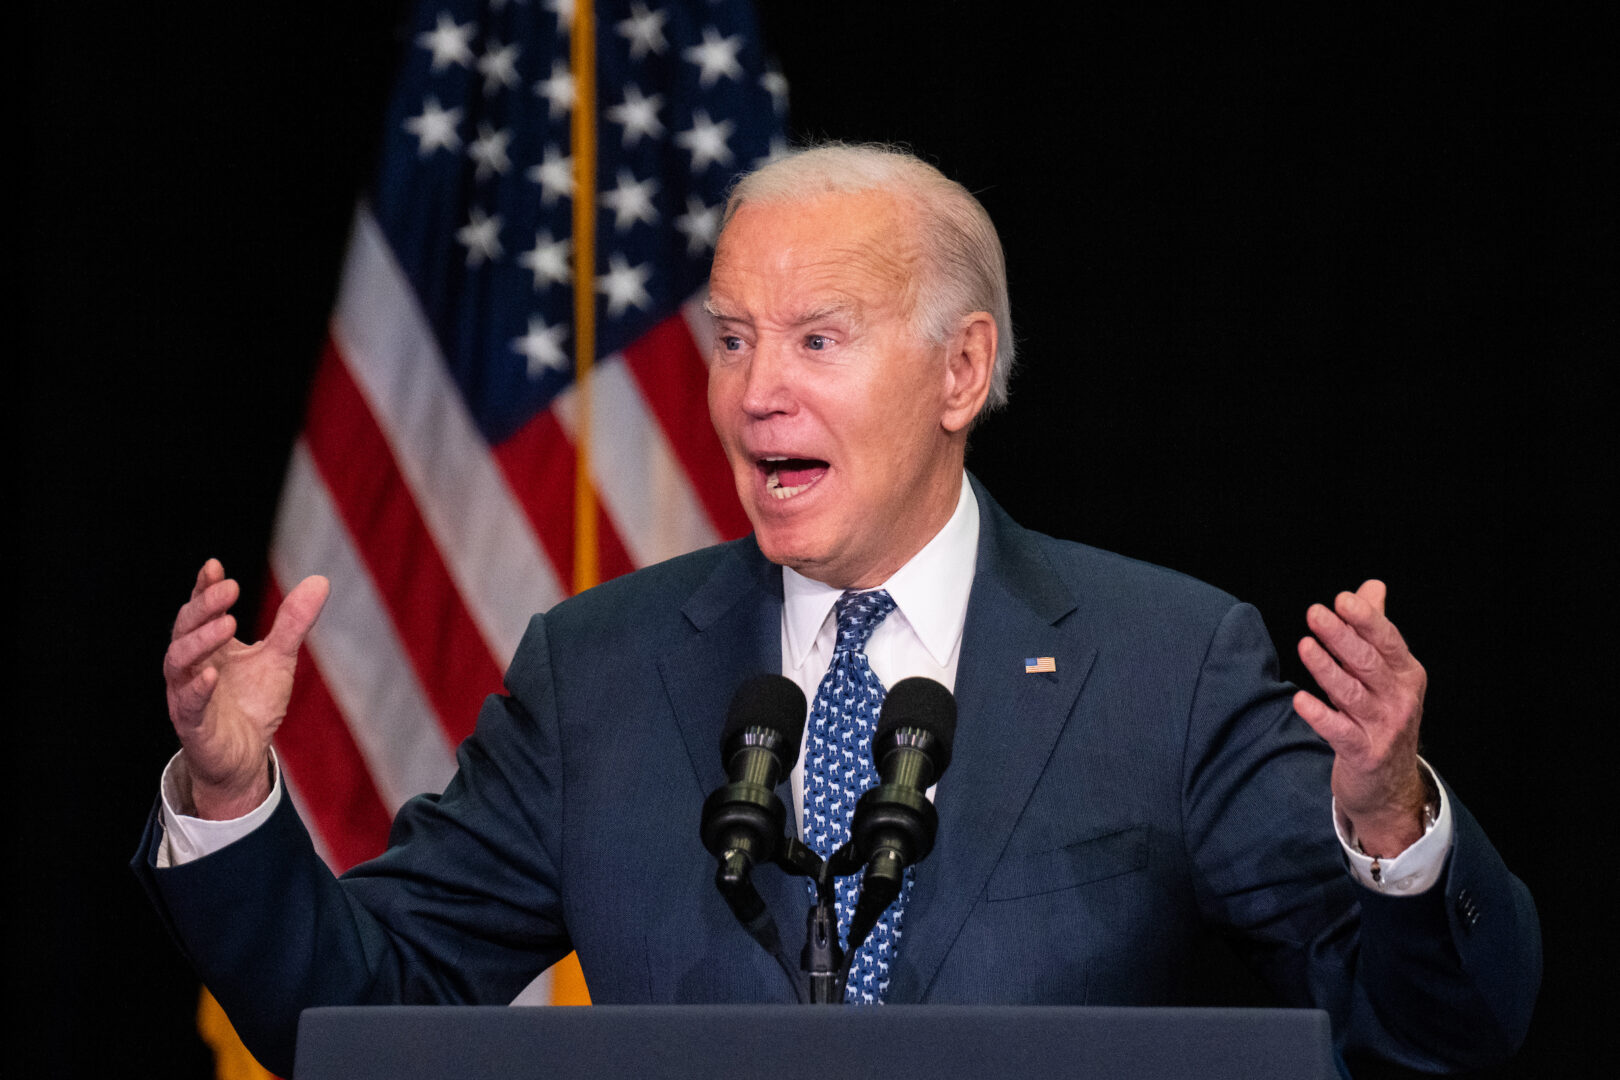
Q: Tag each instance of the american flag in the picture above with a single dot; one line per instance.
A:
(435, 479)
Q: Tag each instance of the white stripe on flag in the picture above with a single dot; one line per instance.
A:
(366, 667)
(493, 556)
(642, 484)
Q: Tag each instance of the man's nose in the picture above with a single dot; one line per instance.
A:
(768, 389)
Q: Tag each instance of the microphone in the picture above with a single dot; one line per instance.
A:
(912, 744)
(743, 820)
(895, 822)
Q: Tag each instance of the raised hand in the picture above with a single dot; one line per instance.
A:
(1376, 688)
(226, 699)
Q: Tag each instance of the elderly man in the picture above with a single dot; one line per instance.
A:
(1144, 781)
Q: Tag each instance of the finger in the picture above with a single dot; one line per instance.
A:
(187, 702)
(213, 601)
(1366, 615)
(212, 571)
(1338, 729)
(187, 652)
(1348, 694)
(297, 613)
(1348, 645)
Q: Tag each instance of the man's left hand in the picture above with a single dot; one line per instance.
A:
(1362, 664)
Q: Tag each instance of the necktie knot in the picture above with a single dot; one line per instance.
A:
(858, 614)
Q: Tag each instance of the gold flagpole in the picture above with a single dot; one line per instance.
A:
(582, 46)
(567, 981)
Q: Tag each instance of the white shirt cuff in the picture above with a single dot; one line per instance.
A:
(1414, 870)
(187, 838)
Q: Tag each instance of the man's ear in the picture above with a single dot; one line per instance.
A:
(969, 359)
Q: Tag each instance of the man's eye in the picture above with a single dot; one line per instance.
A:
(731, 343)
(817, 342)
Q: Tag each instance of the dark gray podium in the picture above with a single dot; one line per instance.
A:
(785, 1042)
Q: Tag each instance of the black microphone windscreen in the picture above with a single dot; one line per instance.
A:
(769, 701)
(919, 703)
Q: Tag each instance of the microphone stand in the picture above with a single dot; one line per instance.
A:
(823, 961)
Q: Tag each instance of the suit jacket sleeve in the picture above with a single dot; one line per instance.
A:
(1445, 979)
(463, 908)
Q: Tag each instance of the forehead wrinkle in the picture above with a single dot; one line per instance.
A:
(885, 259)
(874, 262)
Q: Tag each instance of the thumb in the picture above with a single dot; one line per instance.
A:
(297, 613)
(1374, 592)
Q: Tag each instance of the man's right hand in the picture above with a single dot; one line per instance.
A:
(226, 699)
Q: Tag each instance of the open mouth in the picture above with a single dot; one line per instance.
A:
(786, 477)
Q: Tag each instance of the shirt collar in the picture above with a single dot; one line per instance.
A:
(931, 590)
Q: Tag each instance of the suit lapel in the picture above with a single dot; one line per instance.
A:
(1008, 723)
(736, 618)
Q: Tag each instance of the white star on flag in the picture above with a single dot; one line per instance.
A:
(555, 175)
(435, 128)
(706, 141)
(542, 346)
(547, 260)
(716, 56)
(498, 66)
(564, 10)
(700, 225)
(489, 151)
(644, 30)
(625, 286)
(557, 89)
(481, 236)
(448, 42)
(631, 201)
(776, 85)
(638, 115)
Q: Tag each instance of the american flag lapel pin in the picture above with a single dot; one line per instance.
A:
(1036, 665)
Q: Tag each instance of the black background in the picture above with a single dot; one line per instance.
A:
(1302, 298)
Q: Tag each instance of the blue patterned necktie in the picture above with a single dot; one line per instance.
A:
(838, 769)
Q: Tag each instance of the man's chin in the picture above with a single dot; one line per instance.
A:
(780, 552)
(791, 551)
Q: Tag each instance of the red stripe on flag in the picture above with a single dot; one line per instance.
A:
(538, 460)
(452, 661)
(674, 382)
(316, 747)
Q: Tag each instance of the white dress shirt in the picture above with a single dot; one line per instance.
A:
(921, 636)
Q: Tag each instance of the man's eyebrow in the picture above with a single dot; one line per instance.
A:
(715, 312)
(828, 311)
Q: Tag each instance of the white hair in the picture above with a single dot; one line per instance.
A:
(966, 270)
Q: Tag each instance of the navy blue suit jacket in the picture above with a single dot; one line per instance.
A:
(1095, 822)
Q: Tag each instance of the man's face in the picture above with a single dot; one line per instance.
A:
(844, 429)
